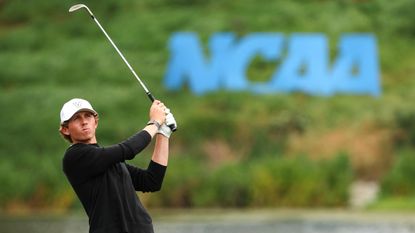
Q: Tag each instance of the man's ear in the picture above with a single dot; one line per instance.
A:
(64, 130)
(96, 121)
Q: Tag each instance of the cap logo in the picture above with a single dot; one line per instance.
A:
(77, 104)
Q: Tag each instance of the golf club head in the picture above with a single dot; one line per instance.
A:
(79, 6)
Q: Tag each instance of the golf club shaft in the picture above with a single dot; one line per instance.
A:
(150, 96)
(76, 7)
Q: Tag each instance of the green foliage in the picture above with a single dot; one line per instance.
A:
(265, 182)
(397, 191)
(184, 175)
(399, 181)
(301, 182)
(405, 128)
(227, 186)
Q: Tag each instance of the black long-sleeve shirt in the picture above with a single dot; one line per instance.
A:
(106, 185)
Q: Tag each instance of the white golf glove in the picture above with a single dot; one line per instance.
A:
(169, 126)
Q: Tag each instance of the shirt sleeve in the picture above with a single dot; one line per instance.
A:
(83, 161)
(149, 180)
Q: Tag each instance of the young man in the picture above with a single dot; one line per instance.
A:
(104, 183)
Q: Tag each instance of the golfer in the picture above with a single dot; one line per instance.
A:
(104, 183)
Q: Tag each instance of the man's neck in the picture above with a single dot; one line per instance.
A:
(89, 141)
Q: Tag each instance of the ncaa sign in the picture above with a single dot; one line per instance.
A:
(304, 64)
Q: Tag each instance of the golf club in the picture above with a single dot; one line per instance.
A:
(150, 96)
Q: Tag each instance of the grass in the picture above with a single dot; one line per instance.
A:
(394, 204)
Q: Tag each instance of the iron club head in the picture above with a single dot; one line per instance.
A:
(79, 6)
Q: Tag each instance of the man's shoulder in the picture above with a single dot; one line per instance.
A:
(78, 149)
(80, 146)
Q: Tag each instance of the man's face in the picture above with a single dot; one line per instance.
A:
(81, 127)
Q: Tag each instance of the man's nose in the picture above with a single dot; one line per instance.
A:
(84, 121)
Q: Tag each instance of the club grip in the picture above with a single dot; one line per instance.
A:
(173, 127)
(151, 97)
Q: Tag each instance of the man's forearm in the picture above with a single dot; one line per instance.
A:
(151, 129)
(161, 150)
(132, 145)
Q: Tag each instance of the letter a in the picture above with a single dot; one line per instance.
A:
(356, 68)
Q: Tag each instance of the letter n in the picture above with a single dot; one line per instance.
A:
(187, 63)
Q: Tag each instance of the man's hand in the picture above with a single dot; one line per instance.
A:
(169, 126)
(157, 112)
(170, 121)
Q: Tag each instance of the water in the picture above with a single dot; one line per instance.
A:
(254, 221)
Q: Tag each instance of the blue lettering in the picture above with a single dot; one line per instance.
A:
(268, 45)
(356, 68)
(305, 67)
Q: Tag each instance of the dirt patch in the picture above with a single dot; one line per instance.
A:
(219, 152)
(369, 148)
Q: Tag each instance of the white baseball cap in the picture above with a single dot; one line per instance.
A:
(73, 106)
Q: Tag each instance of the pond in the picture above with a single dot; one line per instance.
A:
(232, 221)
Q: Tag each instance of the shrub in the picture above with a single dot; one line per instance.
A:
(399, 181)
(301, 182)
(265, 182)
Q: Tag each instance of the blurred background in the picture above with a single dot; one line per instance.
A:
(233, 150)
